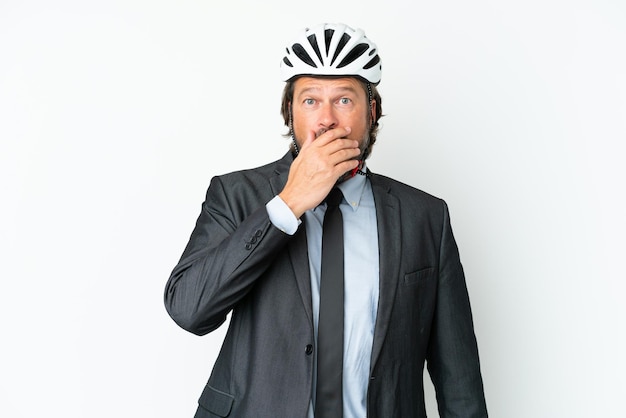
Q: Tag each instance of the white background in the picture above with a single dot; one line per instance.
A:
(114, 115)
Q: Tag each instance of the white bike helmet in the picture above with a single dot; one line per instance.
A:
(332, 50)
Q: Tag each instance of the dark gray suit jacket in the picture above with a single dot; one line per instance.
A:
(236, 260)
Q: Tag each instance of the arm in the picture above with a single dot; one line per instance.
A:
(227, 252)
(230, 247)
(453, 361)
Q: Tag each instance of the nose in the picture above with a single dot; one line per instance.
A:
(327, 117)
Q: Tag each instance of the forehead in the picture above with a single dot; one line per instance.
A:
(328, 85)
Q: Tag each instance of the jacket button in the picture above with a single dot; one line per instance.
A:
(258, 233)
(309, 349)
(248, 246)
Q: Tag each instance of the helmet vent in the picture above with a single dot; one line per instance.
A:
(303, 55)
(356, 52)
(342, 42)
(313, 41)
(328, 36)
(287, 62)
(372, 63)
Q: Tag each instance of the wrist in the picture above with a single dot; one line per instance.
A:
(292, 204)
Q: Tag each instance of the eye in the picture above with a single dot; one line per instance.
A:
(345, 101)
(309, 102)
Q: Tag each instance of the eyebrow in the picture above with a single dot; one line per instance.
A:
(308, 90)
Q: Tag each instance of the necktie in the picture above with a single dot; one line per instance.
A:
(329, 393)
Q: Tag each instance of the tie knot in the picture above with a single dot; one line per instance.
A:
(334, 197)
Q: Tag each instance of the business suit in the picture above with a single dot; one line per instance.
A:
(236, 259)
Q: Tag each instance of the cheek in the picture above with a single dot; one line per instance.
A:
(301, 127)
(305, 121)
(359, 124)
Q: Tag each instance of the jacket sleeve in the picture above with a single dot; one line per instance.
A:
(452, 359)
(230, 248)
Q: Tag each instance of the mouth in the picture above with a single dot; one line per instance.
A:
(320, 132)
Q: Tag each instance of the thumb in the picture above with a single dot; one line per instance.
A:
(309, 139)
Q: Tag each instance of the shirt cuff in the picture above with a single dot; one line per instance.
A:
(281, 216)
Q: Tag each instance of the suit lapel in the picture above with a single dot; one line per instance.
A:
(389, 248)
(389, 238)
(298, 250)
(300, 260)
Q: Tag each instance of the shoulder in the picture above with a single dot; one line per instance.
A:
(256, 174)
(249, 188)
(414, 206)
(403, 191)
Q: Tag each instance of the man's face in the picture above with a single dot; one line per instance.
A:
(322, 104)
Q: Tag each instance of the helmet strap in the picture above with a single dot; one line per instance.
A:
(295, 150)
(370, 100)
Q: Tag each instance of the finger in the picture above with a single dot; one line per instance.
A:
(335, 142)
(308, 140)
(341, 144)
(332, 135)
(345, 154)
(344, 167)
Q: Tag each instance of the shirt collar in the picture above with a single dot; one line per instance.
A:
(352, 189)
